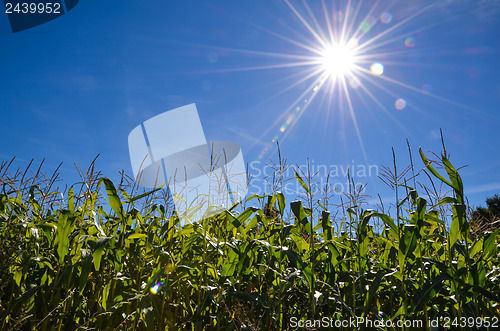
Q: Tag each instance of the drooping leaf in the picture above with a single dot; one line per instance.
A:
(429, 290)
(456, 181)
(458, 223)
(281, 203)
(432, 170)
(113, 198)
(373, 290)
(301, 182)
(299, 211)
(98, 251)
(490, 245)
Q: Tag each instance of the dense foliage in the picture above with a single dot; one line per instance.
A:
(88, 264)
(487, 219)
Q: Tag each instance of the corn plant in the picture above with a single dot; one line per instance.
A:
(102, 259)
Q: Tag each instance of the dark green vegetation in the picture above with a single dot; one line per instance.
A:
(75, 262)
(487, 219)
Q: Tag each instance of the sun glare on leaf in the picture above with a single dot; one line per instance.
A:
(338, 60)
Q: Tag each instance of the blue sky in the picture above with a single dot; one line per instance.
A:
(76, 86)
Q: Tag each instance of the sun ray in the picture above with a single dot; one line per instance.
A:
(319, 80)
(304, 22)
(396, 26)
(359, 28)
(343, 54)
(345, 20)
(315, 21)
(384, 109)
(355, 14)
(396, 38)
(293, 104)
(343, 63)
(291, 86)
(354, 120)
(254, 68)
(327, 20)
(275, 34)
(311, 91)
(415, 89)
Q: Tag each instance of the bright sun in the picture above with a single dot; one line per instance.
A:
(338, 59)
(342, 54)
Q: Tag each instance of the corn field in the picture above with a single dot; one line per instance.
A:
(103, 258)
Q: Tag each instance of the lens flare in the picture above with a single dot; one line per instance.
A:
(156, 288)
(341, 56)
(386, 18)
(377, 69)
(367, 24)
(354, 82)
(400, 104)
(410, 42)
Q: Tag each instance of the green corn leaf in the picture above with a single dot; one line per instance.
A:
(488, 294)
(444, 201)
(137, 236)
(105, 294)
(432, 170)
(246, 214)
(64, 227)
(302, 245)
(419, 215)
(458, 223)
(301, 181)
(477, 274)
(86, 265)
(326, 225)
(373, 290)
(146, 194)
(408, 243)
(389, 222)
(18, 275)
(98, 250)
(71, 200)
(477, 247)
(299, 211)
(113, 198)
(229, 265)
(281, 203)
(456, 181)
(97, 258)
(490, 245)
(429, 290)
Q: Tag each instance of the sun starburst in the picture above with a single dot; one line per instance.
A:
(339, 59)
(346, 59)
(344, 49)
